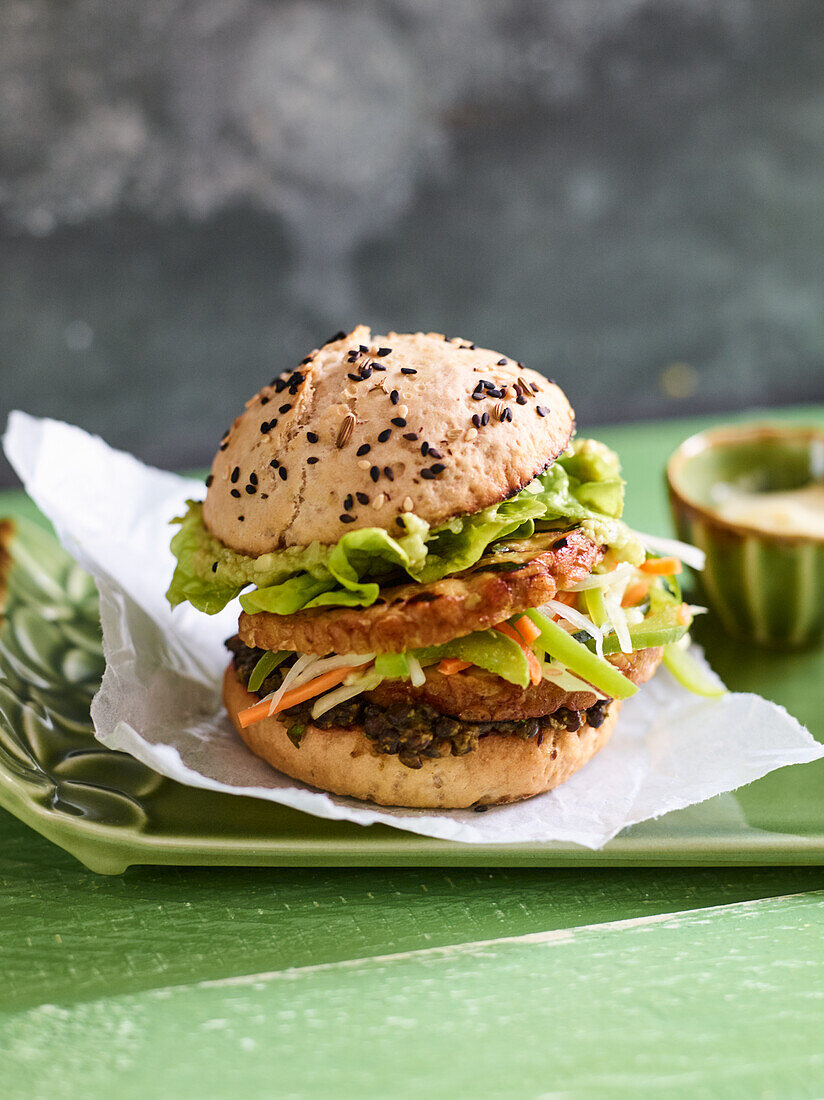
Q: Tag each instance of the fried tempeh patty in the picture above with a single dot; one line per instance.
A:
(477, 696)
(410, 616)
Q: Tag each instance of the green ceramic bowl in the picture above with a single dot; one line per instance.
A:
(764, 586)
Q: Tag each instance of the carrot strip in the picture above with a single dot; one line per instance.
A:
(260, 710)
(662, 566)
(635, 593)
(535, 671)
(684, 615)
(527, 629)
(450, 665)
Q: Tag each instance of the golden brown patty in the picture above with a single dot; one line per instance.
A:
(478, 696)
(410, 616)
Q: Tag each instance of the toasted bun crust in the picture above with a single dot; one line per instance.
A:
(320, 412)
(500, 769)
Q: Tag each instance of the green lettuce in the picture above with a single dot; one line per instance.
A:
(583, 488)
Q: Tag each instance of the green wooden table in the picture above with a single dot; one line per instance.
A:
(380, 982)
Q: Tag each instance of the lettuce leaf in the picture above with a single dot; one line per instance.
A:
(583, 488)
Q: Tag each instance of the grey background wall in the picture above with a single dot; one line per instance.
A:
(626, 194)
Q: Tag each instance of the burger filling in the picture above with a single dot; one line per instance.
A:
(523, 619)
(411, 730)
(542, 669)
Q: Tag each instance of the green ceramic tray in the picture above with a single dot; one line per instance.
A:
(110, 811)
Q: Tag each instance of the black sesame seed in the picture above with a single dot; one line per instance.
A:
(437, 467)
(435, 452)
(480, 386)
(552, 382)
(366, 372)
(532, 385)
(274, 464)
(346, 519)
(378, 366)
(264, 400)
(364, 449)
(333, 339)
(399, 521)
(384, 435)
(394, 397)
(375, 473)
(493, 391)
(506, 415)
(411, 436)
(209, 480)
(520, 399)
(383, 351)
(280, 385)
(354, 377)
(253, 478)
(362, 498)
(388, 472)
(282, 473)
(284, 408)
(251, 489)
(311, 461)
(363, 348)
(478, 395)
(214, 567)
(264, 496)
(348, 502)
(223, 446)
(540, 410)
(408, 370)
(427, 475)
(312, 437)
(476, 420)
(241, 518)
(502, 362)
(225, 433)
(424, 449)
(235, 492)
(308, 359)
(398, 421)
(484, 420)
(297, 377)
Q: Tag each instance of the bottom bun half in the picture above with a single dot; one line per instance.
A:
(345, 762)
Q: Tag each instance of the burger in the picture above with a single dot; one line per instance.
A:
(441, 606)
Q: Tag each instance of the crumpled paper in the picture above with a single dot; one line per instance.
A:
(160, 695)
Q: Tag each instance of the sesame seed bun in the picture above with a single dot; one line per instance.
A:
(369, 427)
(345, 762)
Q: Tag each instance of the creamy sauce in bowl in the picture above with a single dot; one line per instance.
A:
(790, 512)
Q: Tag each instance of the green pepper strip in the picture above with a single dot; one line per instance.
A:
(594, 599)
(267, 663)
(689, 673)
(577, 658)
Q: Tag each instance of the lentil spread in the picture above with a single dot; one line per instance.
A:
(412, 731)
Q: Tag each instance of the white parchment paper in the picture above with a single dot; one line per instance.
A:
(160, 695)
